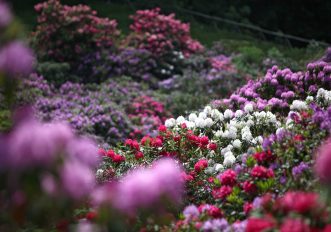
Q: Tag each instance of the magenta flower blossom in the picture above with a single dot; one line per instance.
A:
(16, 59)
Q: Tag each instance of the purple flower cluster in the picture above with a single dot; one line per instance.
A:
(299, 169)
(322, 117)
(279, 87)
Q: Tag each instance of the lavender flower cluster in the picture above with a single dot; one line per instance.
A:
(279, 87)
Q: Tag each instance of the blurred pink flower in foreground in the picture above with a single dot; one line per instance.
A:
(144, 188)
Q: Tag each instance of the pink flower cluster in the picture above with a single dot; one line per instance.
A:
(222, 63)
(61, 26)
(64, 161)
(148, 114)
(162, 34)
(143, 188)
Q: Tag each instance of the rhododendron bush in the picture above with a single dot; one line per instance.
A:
(162, 34)
(65, 33)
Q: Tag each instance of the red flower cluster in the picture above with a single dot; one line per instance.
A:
(200, 165)
(202, 142)
(228, 177)
(162, 34)
(260, 224)
(249, 187)
(262, 172)
(116, 158)
(264, 156)
(222, 192)
(211, 210)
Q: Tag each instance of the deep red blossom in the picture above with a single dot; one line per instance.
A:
(91, 215)
(262, 172)
(139, 155)
(200, 165)
(259, 224)
(214, 211)
(156, 142)
(212, 146)
(163, 129)
(145, 140)
(110, 153)
(118, 158)
(203, 141)
(193, 139)
(294, 225)
(177, 138)
(249, 187)
(229, 177)
(264, 156)
(222, 192)
(298, 138)
(247, 207)
(133, 144)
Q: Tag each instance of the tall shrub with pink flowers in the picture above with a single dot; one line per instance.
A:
(162, 34)
(65, 33)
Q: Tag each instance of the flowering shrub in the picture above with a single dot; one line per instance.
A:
(136, 63)
(162, 34)
(61, 26)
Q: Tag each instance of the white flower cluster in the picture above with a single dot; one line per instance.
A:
(231, 129)
(324, 96)
(205, 119)
(299, 105)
